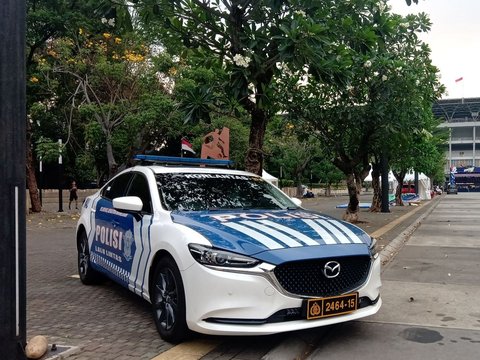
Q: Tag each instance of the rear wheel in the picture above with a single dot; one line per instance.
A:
(88, 276)
(168, 301)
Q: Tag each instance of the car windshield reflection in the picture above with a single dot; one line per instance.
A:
(214, 192)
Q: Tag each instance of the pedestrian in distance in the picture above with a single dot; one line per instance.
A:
(73, 195)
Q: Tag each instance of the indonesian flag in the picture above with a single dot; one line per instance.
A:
(187, 146)
(459, 79)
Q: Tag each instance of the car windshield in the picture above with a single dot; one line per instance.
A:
(199, 192)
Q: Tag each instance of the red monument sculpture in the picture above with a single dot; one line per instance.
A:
(216, 145)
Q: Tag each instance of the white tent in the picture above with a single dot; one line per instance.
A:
(424, 184)
(392, 182)
(270, 178)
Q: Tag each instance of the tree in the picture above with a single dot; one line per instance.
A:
(109, 80)
(295, 151)
(45, 20)
(250, 39)
(337, 113)
(422, 154)
(48, 20)
(390, 88)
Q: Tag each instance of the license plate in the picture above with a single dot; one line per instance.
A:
(331, 306)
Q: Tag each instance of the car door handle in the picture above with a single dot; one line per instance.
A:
(115, 223)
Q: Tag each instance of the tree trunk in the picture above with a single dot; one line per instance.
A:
(112, 164)
(254, 158)
(298, 183)
(351, 215)
(360, 176)
(328, 190)
(398, 195)
(31, 177)
(377, 193)
(398, 192)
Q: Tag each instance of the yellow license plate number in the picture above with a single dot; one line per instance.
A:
(331, 306)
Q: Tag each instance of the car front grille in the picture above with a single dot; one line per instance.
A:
(306, 278)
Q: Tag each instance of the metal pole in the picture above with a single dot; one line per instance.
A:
(60, 177)
(450, 150)
(40, 182)
(385, 186)
(12, 180)
(415, 183)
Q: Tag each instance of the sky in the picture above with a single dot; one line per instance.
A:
(454, 40)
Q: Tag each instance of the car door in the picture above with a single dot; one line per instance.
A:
(142, 223)
(113, 247)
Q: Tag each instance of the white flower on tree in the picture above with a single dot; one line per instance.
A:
(241, 60)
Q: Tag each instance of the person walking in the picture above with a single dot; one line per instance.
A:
(73, 195)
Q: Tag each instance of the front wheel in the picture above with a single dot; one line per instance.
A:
(168, 301)
(88, 276)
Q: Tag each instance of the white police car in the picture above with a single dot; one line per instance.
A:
(221, 251)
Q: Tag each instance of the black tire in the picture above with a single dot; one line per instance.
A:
(88, 276)
(168, 301)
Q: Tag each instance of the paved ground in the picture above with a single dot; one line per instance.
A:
(107, 321)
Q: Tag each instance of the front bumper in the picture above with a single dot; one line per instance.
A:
(230, 303)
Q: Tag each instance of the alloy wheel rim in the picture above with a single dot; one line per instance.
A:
(166, 299)
(83, 258)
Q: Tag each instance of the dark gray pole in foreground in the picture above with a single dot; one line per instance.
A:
(385, 185)
(12, 180)
(60, 177)
(415, 182)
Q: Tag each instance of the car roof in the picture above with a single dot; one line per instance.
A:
(158, 169)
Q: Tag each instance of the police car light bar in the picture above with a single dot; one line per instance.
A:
(173, 160)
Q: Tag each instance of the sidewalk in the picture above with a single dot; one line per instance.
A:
(390, 229)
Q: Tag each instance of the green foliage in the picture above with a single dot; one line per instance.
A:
(295, 152)
(326, 172)
(352, 78)
(85, 168)
(388, 93)
(199, 93)
(252, 44)
(48, 150)
(56, 33)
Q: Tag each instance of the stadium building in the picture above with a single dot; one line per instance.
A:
(461, 117)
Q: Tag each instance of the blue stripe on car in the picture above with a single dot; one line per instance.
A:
(257, 231)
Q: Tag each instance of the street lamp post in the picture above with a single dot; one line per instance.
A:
(385, 208)
(60, 177)
(40, 180)
(12, 180)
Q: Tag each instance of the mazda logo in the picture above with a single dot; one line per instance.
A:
(331, 269)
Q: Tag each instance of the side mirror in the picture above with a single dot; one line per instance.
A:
(128, 204)
(297, 201)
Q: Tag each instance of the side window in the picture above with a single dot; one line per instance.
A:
(116, 187)
(139, 187)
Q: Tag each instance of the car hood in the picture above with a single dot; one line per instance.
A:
(277, 236)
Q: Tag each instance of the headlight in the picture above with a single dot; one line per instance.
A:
(373, 248)
(210, 256)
